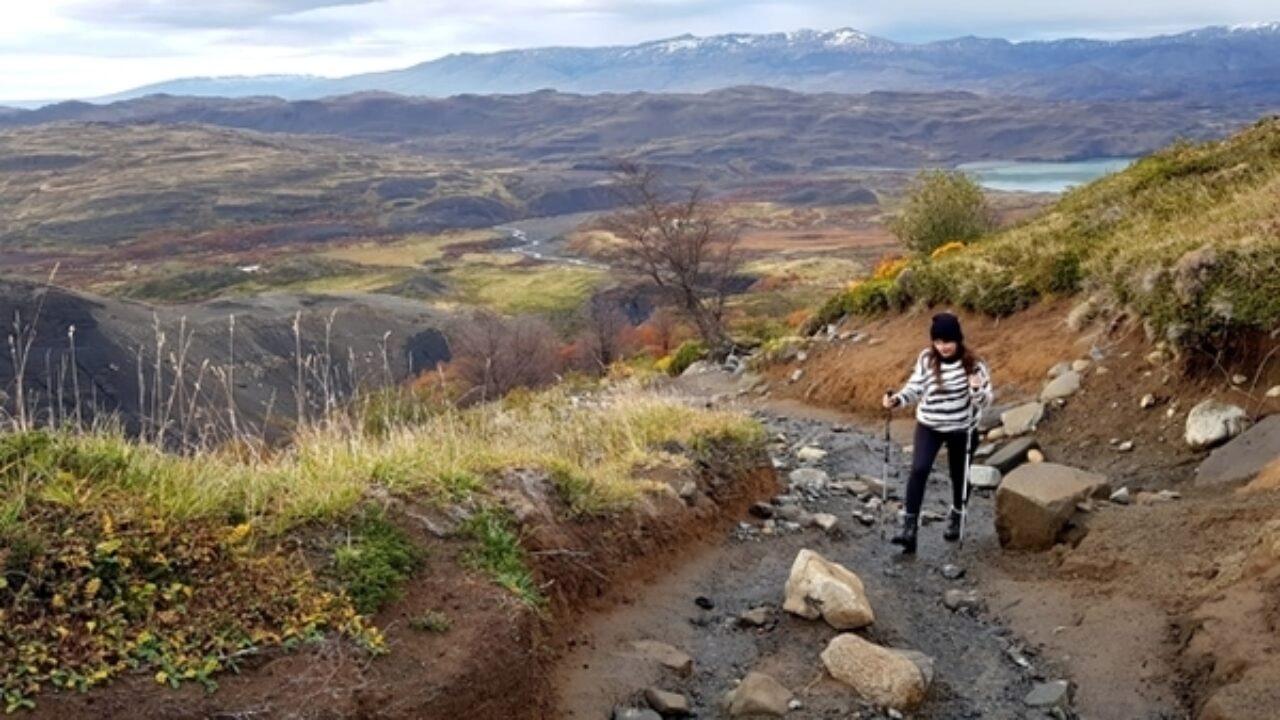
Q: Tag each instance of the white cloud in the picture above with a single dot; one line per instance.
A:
(197, 13)
(84, 48)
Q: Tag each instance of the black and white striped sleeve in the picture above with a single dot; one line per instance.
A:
(916, 384)
(983, 393)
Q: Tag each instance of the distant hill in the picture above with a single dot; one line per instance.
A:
(1210, 64)
(95, 185)
(732, 132)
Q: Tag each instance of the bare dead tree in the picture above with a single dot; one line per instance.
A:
(604, 326)
(494, 354)
(680, 243)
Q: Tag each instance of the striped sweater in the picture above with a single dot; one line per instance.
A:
(949, 407)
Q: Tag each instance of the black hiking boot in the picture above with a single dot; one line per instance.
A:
(906, 536)
(952, 533)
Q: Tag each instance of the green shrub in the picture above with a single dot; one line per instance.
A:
(874, 297)
(997, 295)
(835, 308)
(1054, 272)
(931, 282)
(871, 297)
(942, 206)
(689, 352)
(375, 561)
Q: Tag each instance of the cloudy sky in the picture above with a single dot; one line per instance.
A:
(84, 48)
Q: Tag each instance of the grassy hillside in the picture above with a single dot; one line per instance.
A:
(1188, 238)
(118, 558)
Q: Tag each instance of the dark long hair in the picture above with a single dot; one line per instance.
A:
(968, 358)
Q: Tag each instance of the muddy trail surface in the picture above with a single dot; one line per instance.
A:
(981, 669)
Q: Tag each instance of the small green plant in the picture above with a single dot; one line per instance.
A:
(375, 561)
(689, 352)
(496, 550)
(431, 621)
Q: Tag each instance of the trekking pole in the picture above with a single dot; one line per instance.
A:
(969, 431)
(884, 484)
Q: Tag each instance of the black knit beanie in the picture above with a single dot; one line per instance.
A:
(946, 327)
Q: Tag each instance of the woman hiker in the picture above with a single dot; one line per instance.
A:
(952, 386)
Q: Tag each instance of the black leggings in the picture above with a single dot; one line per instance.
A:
(927, 444)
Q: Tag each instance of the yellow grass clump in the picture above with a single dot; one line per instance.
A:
(593, 444)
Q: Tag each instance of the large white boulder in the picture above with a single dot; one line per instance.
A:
(886, 677)
(818, 587)
(1212, 423)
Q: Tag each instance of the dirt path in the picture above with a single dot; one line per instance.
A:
(977, 660)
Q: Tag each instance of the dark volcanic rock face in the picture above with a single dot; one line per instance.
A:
(346, 342)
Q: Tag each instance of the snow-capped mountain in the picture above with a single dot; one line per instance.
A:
(1210, 63)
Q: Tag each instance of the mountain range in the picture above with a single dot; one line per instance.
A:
(1215, 63)
(742, 130)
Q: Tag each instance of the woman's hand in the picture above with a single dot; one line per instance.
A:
(889, 401)
(975, 381)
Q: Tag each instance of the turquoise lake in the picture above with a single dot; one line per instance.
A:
(1054, 177)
